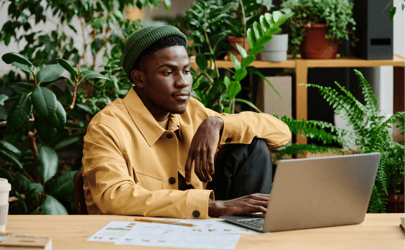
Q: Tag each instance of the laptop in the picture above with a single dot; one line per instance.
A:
(317, 192)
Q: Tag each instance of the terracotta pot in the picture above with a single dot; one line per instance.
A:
(233, 41)
(316, 46)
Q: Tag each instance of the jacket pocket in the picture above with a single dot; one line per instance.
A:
(148, 181)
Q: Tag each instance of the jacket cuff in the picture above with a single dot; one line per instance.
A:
(197, 203)
(231, 132)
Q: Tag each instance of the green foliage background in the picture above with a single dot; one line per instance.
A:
(52, 102)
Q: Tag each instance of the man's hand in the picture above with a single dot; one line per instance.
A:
(245, 205)
(202, 149)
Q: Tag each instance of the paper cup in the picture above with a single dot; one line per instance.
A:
(5, 188)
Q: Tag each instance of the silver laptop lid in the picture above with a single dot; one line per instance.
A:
(321, 192)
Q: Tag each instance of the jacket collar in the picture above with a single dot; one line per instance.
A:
(144, 120)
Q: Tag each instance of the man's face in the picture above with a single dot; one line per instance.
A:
(166, 82)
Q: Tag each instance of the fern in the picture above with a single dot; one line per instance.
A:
(372, 133)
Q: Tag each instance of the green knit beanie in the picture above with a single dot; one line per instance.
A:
(142, 39)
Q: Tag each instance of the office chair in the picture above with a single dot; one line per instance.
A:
(80, 202)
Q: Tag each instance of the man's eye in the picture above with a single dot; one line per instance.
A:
(169, 73)
(187, 72)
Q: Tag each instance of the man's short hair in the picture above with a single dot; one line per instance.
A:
(165, 42)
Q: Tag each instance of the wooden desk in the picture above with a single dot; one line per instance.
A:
(302, 65)
(378, 231)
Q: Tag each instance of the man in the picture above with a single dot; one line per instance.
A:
(153, 152)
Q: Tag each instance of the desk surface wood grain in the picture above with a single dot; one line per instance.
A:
(378, 231)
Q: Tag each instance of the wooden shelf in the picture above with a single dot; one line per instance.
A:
(302, 65)
(339, 62)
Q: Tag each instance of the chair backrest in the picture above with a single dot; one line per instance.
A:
(80, 202)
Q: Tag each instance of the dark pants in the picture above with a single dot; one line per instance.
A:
(242, 169)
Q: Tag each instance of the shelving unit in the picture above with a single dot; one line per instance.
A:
(302, 65)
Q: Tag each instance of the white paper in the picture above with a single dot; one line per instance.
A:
(210, 233)
(163, 235)
(113, 231)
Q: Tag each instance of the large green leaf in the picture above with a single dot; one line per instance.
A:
(89, 74)
(9, 148)
(201, 61)
(50, 73)
(67, 142)
(22, 201)
(234, 89)
(4, 173)
(3, 98)
(240, 74)
(248, 103)
(3, 113)
(53, 206)
(44, 101)
(248, 60)
(65, 64)
(22, 88)
(8, 157)
(45, 129)
(23, 67)
(85, 108)
(235, 62)
(58, 119)
(25, 181)
(33, 189)
(47, 163)
(256, 50)
(63, 186)
(241, 50)
(19, 114)
(15, 57)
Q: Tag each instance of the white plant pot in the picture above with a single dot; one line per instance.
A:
(276, 49)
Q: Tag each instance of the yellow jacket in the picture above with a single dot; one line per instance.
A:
(128, 158)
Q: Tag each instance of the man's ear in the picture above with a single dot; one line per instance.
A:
(137, 77)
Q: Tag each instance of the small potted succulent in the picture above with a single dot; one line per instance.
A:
(319, 26)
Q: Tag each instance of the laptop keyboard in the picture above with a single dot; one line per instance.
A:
(258, 222)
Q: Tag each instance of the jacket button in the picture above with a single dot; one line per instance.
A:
(169, 136)
(228, 140)
(172, 180)
(196, 214)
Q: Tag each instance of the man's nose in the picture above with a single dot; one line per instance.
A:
(182, 81)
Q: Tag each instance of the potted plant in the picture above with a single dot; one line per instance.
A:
(319, 26)
(276, 49)
(243, 13)
(217, 88)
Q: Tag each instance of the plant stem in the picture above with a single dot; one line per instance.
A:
(33, 136)
(83, 56)
(72, 105)
(3, 123)
(243, 23)
(208, 41)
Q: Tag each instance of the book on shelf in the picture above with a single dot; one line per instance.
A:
(22, 241)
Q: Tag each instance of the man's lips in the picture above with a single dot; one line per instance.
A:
(181, 96)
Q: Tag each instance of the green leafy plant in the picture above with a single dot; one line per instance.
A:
(52, 102)
(243, 14)
(218, 89)
(43, 123)
(100, 24)
(336, 14)
(371, 133)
